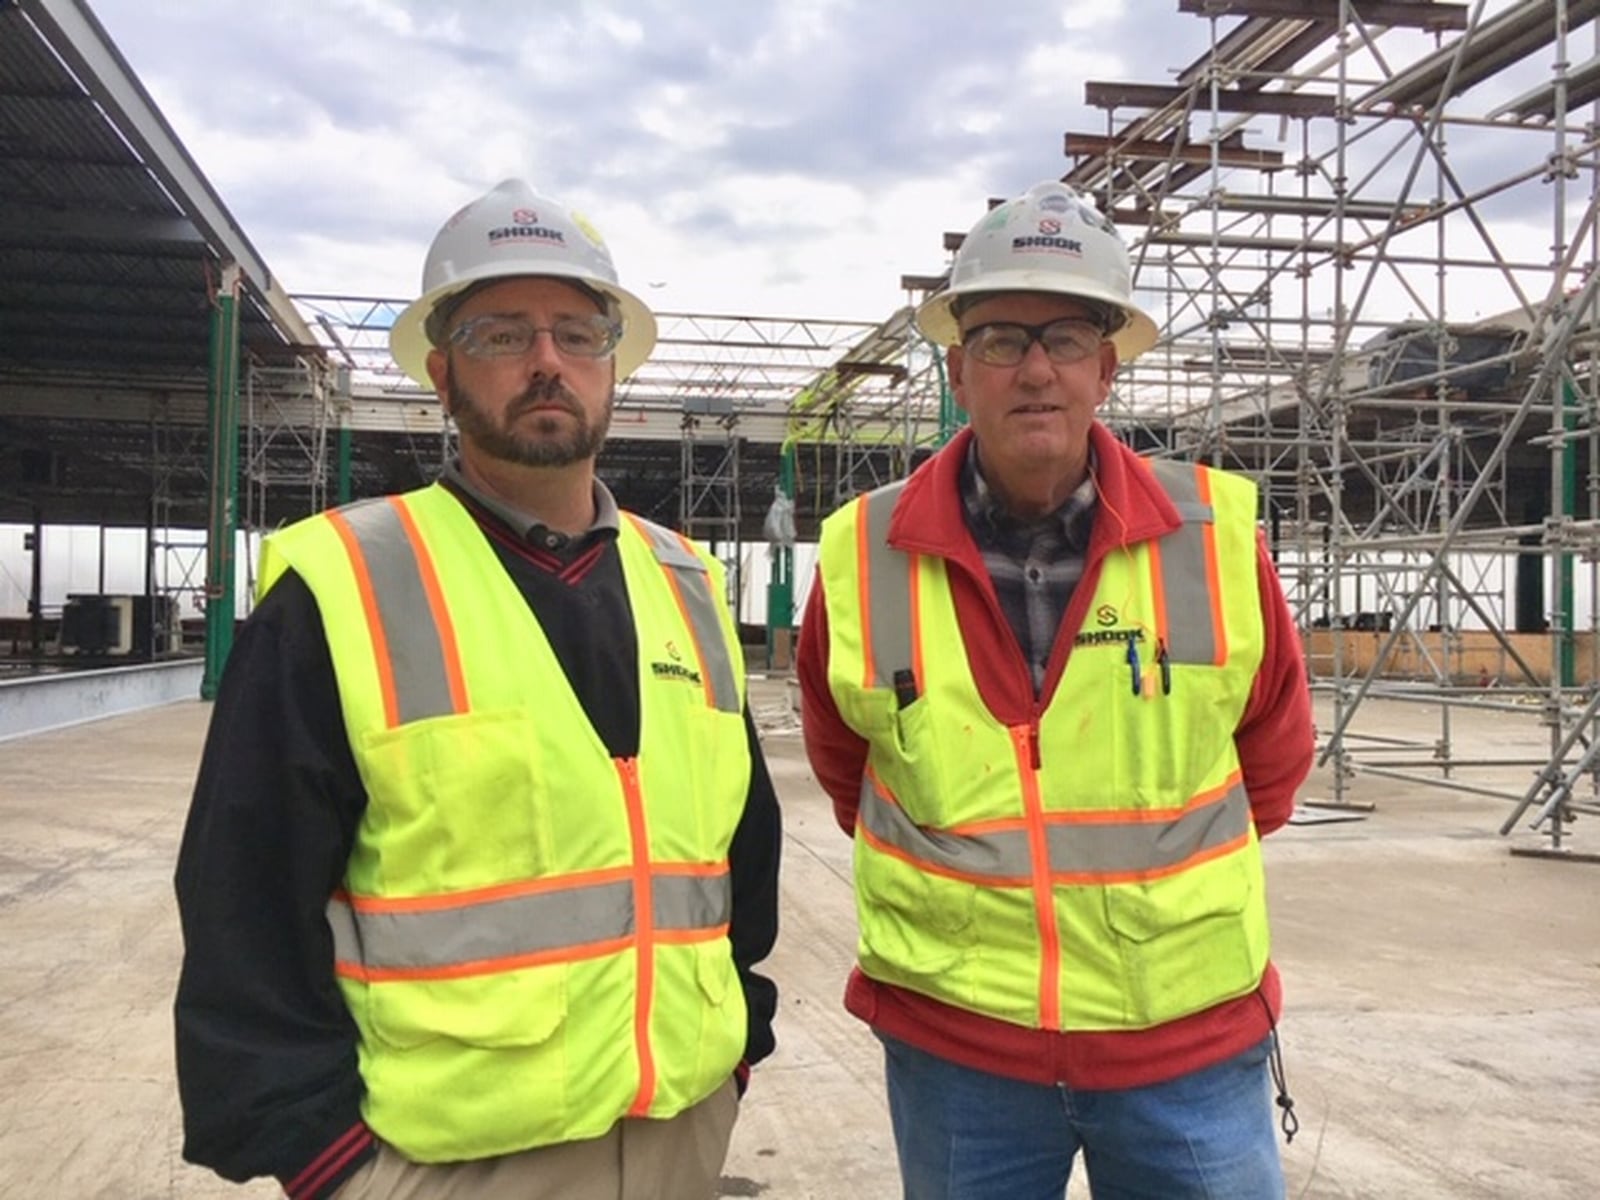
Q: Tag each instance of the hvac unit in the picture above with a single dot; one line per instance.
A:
(92, 624)
(121, 626)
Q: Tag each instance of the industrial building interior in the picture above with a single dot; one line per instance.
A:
(1369, 232)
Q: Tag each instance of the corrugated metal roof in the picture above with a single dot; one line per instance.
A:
(106, 271)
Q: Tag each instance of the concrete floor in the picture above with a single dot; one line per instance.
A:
(1442, 1039)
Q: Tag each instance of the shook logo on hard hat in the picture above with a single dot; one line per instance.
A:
(1054, 245)
(525, 227)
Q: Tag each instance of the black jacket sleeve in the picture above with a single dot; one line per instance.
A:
(266, 1049)
(753, 867)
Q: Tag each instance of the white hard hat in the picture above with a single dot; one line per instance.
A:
(1050, 239)
(511, 231)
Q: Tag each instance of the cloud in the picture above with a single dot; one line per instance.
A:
(793, 158)
(773, 156)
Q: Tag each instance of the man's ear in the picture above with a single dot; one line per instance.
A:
(954, 356)
(1108, 370)
(439, 372)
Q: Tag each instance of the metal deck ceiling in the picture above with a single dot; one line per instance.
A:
(111, 248)
(111, 240)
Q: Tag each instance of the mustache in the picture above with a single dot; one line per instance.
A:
(541, 393)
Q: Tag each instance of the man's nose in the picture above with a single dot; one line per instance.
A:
(542, 357)
(1035, 362)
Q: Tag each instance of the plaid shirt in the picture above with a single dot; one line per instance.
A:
(1034, 564)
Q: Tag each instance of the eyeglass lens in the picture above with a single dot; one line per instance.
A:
(494, 336)
(1006, 343)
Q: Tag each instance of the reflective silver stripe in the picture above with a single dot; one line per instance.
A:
(1076, 848)
(543, 922)
(416, 653)
(1191, 636)
(1002, 855)
(887, 583)
(700, 607)
(1134, 847)
(691, 901)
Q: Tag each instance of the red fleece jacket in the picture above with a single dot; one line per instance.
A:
(1274, 739)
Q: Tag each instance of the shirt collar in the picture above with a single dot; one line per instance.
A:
(1072, 518)
(527, 526)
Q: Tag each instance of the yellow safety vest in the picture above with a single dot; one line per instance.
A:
(1098, 867)
(532, 935)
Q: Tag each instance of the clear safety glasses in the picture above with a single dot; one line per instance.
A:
(593, 336)
(1006, 343)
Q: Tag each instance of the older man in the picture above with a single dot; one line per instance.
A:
(472, 886)
(1056, 696)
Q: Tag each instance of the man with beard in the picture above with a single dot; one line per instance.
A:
(483, 852)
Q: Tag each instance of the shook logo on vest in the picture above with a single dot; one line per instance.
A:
(1109, 637)
(667, 670)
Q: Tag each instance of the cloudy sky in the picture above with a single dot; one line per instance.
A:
(792, 157)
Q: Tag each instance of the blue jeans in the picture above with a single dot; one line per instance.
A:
(969, 1135)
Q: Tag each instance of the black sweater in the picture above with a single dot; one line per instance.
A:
(266, 1049)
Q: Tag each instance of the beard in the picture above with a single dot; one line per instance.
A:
(545, 440)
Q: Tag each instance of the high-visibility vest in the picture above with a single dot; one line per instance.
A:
(1097, 867)
(531, 935)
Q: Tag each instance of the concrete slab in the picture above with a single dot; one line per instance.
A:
(1442, 1041)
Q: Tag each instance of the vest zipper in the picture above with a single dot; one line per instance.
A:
(1025, 743)
(644, 934)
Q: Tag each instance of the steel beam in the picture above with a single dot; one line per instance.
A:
(1394, 14)
(1089, 145)
(1155, 96)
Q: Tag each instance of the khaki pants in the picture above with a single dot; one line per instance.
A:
(677, 1159)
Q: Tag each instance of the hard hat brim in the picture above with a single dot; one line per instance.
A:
(408, 337)
(939, 325)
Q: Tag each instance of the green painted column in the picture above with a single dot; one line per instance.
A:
(346, 450)
(222, 406)
(951, 418)
(344, 445)
(780, 588)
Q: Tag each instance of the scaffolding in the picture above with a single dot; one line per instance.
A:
(1369, 229)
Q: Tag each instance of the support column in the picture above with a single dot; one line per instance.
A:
(34, 542)
(342, 494)
(222, 395)
(780, 588)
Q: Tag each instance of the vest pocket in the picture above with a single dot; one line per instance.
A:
(455, 802)
(724, 1025)
(919, 769)
(913, 923)
(520, 1008)
(1186, 942)
(716, 761)
(714, 971)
